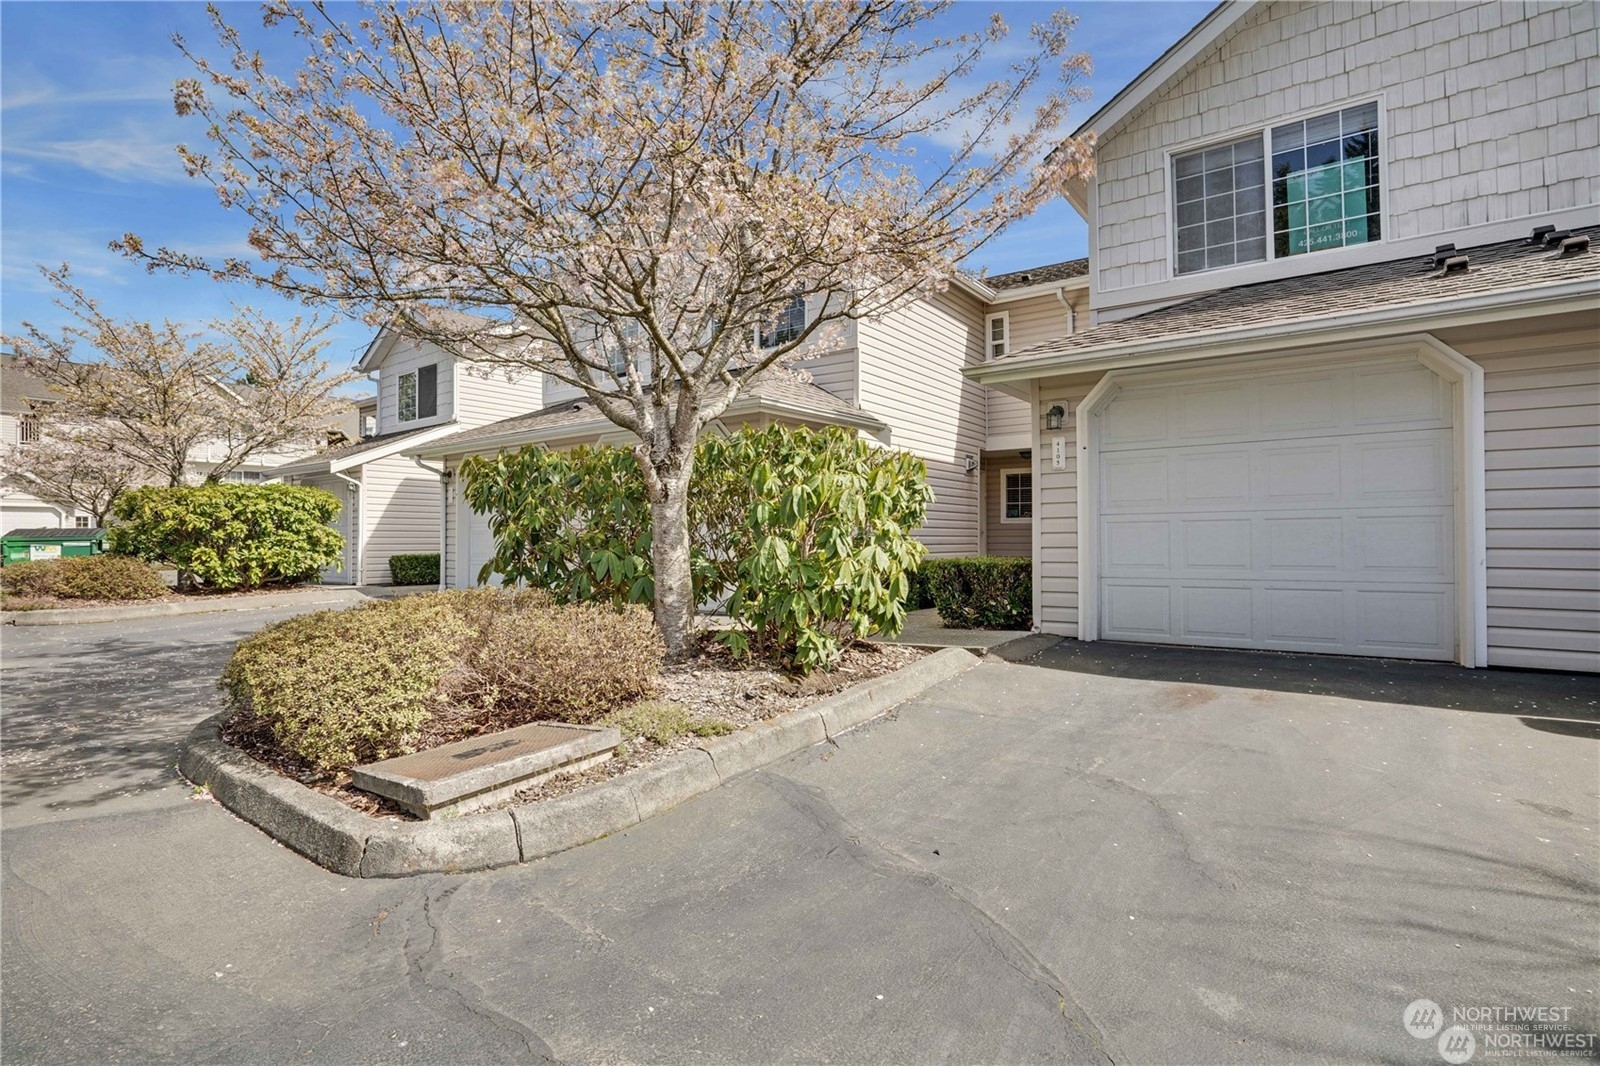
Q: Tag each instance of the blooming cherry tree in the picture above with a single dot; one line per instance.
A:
(632, 193)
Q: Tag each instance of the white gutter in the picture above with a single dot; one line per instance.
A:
(1043, 288)
(444, 513)
(1579, 295)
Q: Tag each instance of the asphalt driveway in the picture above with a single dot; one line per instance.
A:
(1100, 854)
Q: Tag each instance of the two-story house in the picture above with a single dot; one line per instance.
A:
(23, 400)
(896, 379)
(1342, 388)
(392, 502)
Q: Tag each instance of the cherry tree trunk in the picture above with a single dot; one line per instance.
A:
(669, 555)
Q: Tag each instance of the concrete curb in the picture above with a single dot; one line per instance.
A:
(84, 615)
(356, 845)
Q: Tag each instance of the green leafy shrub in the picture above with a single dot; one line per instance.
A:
(663, 721)
(108, 577)
(804, 534)
(84, 577)
(418, 569)
(37, 577)
(984, 592)
(575, 523)
(808, 534)
(231, 536)
(337, 688)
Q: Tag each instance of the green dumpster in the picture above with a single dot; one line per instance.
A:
(23, 545)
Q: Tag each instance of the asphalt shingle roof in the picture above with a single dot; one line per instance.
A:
(1039, 275)
(349, 451)
(789, 389)
(1507, 266)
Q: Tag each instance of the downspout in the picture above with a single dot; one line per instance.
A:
(357, 525)
(444, 515)
(1072, 312)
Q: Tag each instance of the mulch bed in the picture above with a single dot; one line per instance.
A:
(712, 684)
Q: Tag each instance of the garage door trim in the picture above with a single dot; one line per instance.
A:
(1466, 379)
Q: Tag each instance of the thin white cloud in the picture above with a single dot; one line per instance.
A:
(119, 157)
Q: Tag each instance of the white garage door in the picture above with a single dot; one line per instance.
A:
(1288, 510)
(478, 549)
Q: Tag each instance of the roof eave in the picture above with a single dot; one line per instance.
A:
(1576, 295)
(1044, 288)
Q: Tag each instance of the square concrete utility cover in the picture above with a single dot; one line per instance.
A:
(481, 771)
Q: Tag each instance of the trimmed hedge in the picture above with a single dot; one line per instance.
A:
(419, 569)
(231, 536)
(84, 577)
(982, 592)
(338, 688)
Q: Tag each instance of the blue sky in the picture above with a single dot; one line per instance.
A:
(87, 131)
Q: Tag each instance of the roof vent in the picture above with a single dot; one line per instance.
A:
(1574, 245)
(1026, 278)
(1537, 236)
(1442, 253)
(1455, 264)
(1555, 237)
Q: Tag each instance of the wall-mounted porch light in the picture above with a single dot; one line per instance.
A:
(1054, 417)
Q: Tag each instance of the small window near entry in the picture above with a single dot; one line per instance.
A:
(998, 339)
(1018, 500)
(82, 521)
(28, 429)
(789, 323)
(1219, 195)
(1325, 182)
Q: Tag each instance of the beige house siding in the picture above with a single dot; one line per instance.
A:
(834, 371)
(407, 355)
(1489, 114)
(910, 362)
(1055, 506)
(487, 394)
(1542, 489)
(1002, 537)
(400, 511)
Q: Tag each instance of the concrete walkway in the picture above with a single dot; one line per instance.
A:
(1032, 863)
(925, 629)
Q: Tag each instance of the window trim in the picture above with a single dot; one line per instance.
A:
(805, 319)
(1009, 471)
(1264, 130)
(82, 521)
(988, 334)
(415, 373)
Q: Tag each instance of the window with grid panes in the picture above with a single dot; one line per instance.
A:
(1220, 198)
(1325, 182)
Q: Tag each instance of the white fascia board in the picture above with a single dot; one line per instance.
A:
(1044, 288)
(973, 287)
(1579, 295)
(377, 349)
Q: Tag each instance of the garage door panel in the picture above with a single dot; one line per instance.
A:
(1392, 397)
(1137, 419)
(1135, 544)
(1331, 530)
(1137, 611)
(1213, 612)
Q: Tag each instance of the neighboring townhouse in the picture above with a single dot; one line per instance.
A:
(392, 502)
(23, 398)
(896, 379)
(1342, 389)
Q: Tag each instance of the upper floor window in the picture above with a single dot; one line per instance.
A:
(787, 325)
(997, 335)
(1324, 186)
(1325, 182)
(82, 521)
(27, 429)
(419, 393)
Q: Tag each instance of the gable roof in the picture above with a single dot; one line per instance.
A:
(17, 386)
(1410, 289)
(348, 455)
(1201, 36)
(777, 393)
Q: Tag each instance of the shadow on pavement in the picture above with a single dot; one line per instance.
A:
(1529, 694)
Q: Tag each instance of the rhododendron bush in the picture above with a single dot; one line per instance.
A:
(627, 197)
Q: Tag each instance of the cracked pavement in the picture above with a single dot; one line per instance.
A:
(1102, 854)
